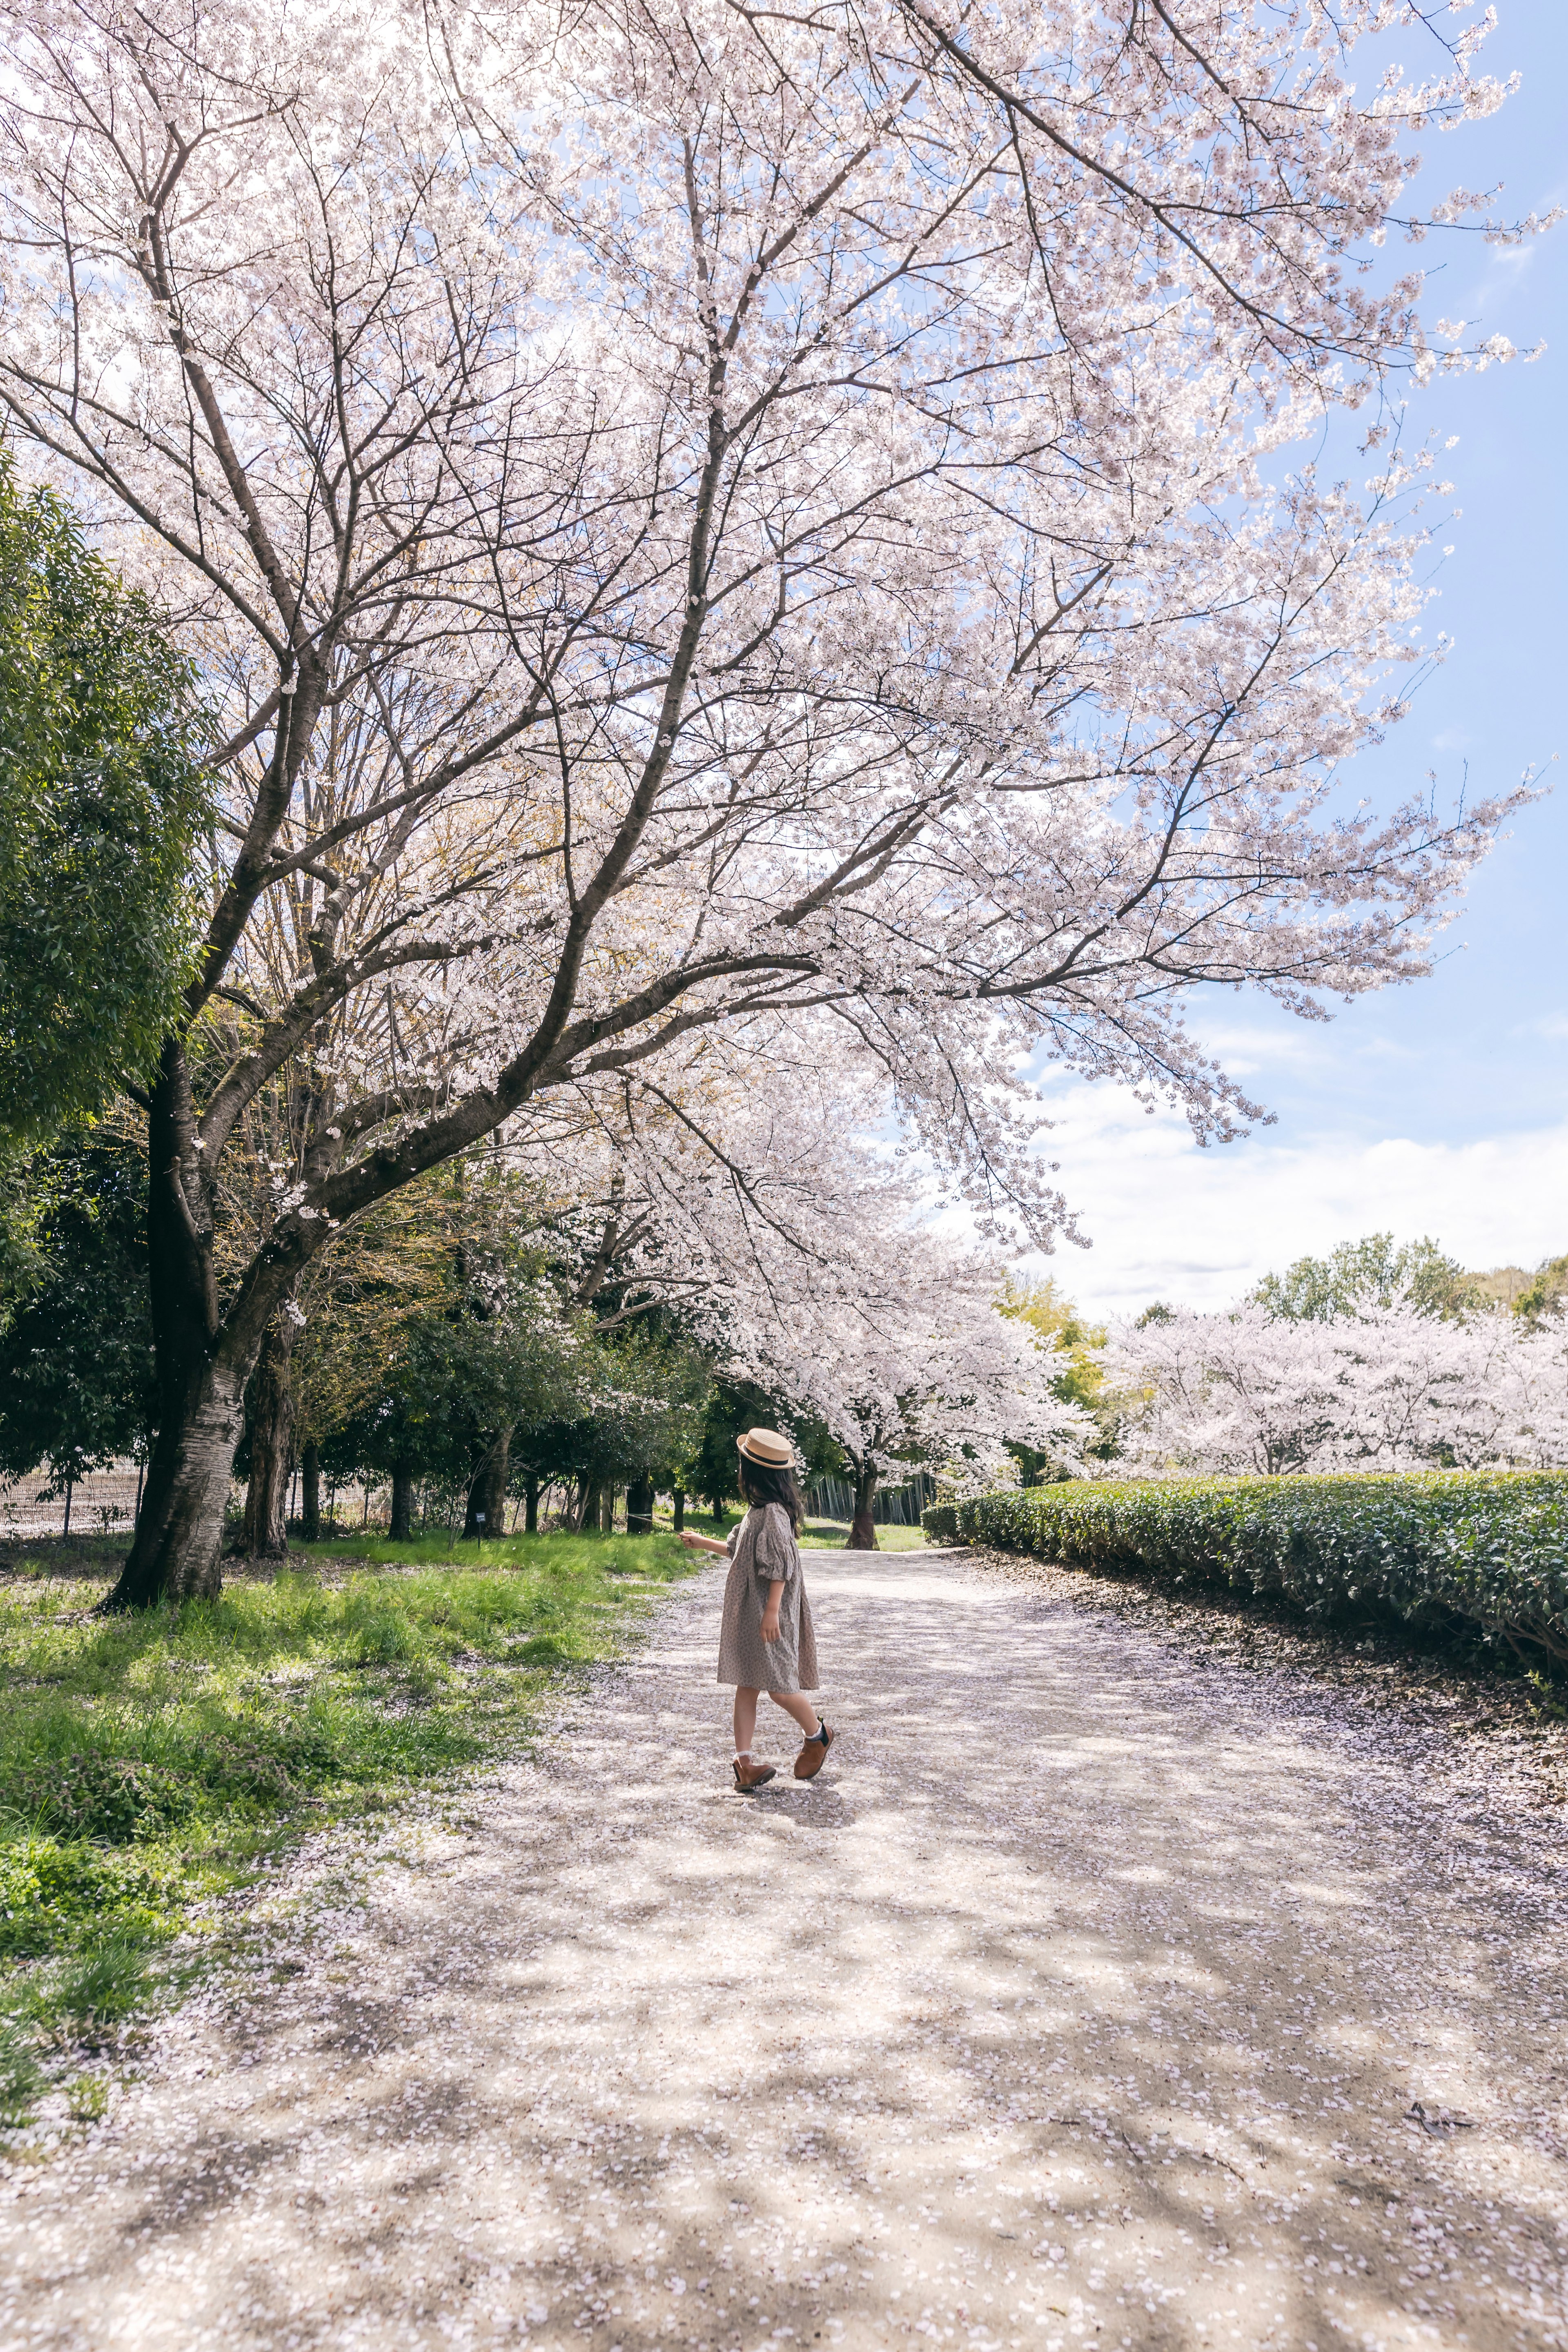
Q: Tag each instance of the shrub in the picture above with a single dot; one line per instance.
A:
(1491, 1548)
(939, 1521)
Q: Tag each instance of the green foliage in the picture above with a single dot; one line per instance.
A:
(644, 1390)
(76, 1382)
(1489, 1549)
(102, 797)
(939, 1521)
(1056, 1320)
(1546, 1291)
(56, 1898)
(1322, 1289)
(22, 2079)
(711, 1467)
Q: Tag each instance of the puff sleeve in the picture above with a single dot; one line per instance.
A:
(775, 1553)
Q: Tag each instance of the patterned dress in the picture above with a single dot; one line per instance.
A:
(760, 1548)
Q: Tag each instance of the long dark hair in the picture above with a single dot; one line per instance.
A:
(762, 1483)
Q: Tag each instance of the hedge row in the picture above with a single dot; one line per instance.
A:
(1488, 1547)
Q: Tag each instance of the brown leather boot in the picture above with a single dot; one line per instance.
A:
(813, 1753)
(750, 1778)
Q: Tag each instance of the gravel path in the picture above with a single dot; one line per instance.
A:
(1083, 2001)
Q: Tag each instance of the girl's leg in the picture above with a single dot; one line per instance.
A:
(746, 1720)
(793, 1703)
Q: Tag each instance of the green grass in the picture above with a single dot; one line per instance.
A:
(150, 1764)
(829, 1535)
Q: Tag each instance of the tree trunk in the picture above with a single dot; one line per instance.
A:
(402, 1528)
(200, 1371)
(639, 1507)
(487, 1492)
(177, 1551)
(311, 1493)
(531, 1505)
(679, 1498)
(862, 1526)
(272, 1415)
(591, 1509)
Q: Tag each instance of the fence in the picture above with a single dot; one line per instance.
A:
(891, 1507)
(101, 1504)
(105, 1503)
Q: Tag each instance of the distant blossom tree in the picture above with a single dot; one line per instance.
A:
(697, 523)
(1390, 1387)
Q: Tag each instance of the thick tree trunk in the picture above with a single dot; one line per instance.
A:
(862, 1526)
(639, 1507)
(531, 1505)
(679, 1498)
(311, 1493)
(174, 1554)
(487, 1494)
(402, 1528)
(272, 1413)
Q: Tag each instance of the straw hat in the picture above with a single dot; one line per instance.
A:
(766, 1447)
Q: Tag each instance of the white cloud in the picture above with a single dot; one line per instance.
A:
(1169, 1220)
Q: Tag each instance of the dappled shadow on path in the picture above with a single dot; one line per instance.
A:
(1084, 1999)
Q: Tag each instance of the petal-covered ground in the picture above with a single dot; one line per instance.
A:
(1093, 1995)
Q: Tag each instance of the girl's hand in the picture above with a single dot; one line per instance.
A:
(770, 1624)
(701, 1543)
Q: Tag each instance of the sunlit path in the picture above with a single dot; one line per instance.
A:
(1082, 2000)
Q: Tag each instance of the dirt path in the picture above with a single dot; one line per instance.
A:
(1083, 2001)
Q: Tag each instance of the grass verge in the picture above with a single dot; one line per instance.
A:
(150, 1765)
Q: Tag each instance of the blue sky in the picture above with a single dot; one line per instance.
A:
(1441, 1107)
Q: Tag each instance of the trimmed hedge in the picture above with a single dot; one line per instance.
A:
(1488, 1547)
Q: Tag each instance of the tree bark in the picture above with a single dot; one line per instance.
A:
(862, 1526)
(487, 1493)
(176, 1552)
(590, 1509)
(271, 1417)
(311, 1493)
(679, 1498)
(639, 1507)
(402, 1528)
(531, 1505)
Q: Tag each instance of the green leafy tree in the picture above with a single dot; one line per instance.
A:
(1042, 1306)
(102, 799)
(1547, 1290)
(711, 1468)
(77, 1384)
(1321, 1289)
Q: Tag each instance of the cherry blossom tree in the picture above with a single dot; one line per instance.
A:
(750, 1203)
(695, 523)
(1389, 1387)
(930, 1375)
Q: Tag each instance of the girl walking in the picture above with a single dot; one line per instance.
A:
(765, 1641)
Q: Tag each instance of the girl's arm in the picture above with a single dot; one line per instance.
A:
(702, 1543)
(770, 1611)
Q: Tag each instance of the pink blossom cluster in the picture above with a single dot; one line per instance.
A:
(1384, 1387)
